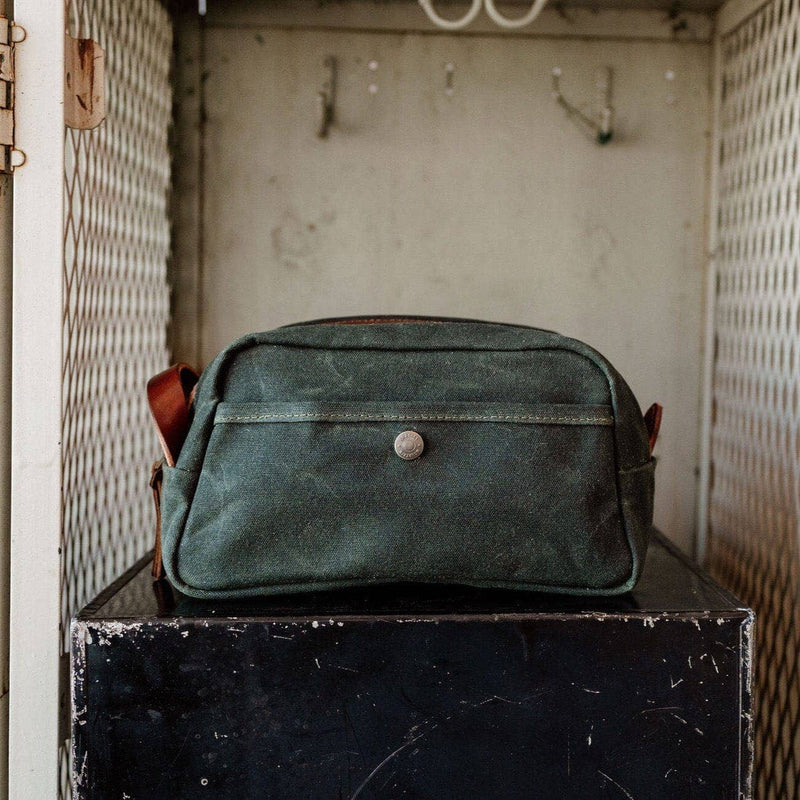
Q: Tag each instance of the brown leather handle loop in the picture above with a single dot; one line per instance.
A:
(156, 480)
(170, 397)
(652, 421)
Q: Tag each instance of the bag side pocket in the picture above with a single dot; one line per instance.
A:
(176, 501)
(637, 487)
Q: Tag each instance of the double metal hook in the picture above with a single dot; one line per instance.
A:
(474, 10)
(326, 99)
(601, 126)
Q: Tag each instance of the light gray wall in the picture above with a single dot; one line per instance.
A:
(487, 203)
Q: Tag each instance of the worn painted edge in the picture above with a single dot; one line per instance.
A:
(746, 718)
(79, 705)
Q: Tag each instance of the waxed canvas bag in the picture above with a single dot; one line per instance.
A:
(378, 450)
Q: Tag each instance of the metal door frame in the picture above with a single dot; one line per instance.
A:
(36, 403)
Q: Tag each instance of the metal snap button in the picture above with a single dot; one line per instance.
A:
(409, 445)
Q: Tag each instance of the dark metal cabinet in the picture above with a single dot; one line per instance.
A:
(416, 692)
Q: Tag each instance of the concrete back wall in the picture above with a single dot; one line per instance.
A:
(487, 202)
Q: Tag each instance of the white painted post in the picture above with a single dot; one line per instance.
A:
(6, 238)
(36, 404)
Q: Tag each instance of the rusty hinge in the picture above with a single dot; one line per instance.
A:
(10, 35)
(84, 84)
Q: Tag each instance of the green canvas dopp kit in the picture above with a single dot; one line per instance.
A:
(381, 450)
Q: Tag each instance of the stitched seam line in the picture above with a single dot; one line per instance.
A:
(444, 418)
(373, 320)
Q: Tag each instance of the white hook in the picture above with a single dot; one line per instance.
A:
(517, 22)
(491, 10)
(451, 24)
(326, 99)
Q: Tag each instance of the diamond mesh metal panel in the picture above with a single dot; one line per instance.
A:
(754, 543)
(116, 245)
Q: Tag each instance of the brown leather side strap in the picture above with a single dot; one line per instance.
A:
(169, 394)
(652, 421)
(170, 397)
(156, 478)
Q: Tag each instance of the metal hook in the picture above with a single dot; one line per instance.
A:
(518, 22)
(599, 128)
(326, 99)
(451, 24)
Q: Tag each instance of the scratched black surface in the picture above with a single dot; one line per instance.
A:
(412, 692)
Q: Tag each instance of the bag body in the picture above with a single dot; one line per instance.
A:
(347, 453)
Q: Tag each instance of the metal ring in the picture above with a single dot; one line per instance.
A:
(520, 22)
(451, 24)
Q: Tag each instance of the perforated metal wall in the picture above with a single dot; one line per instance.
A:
(754, 543)
(116, 245)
